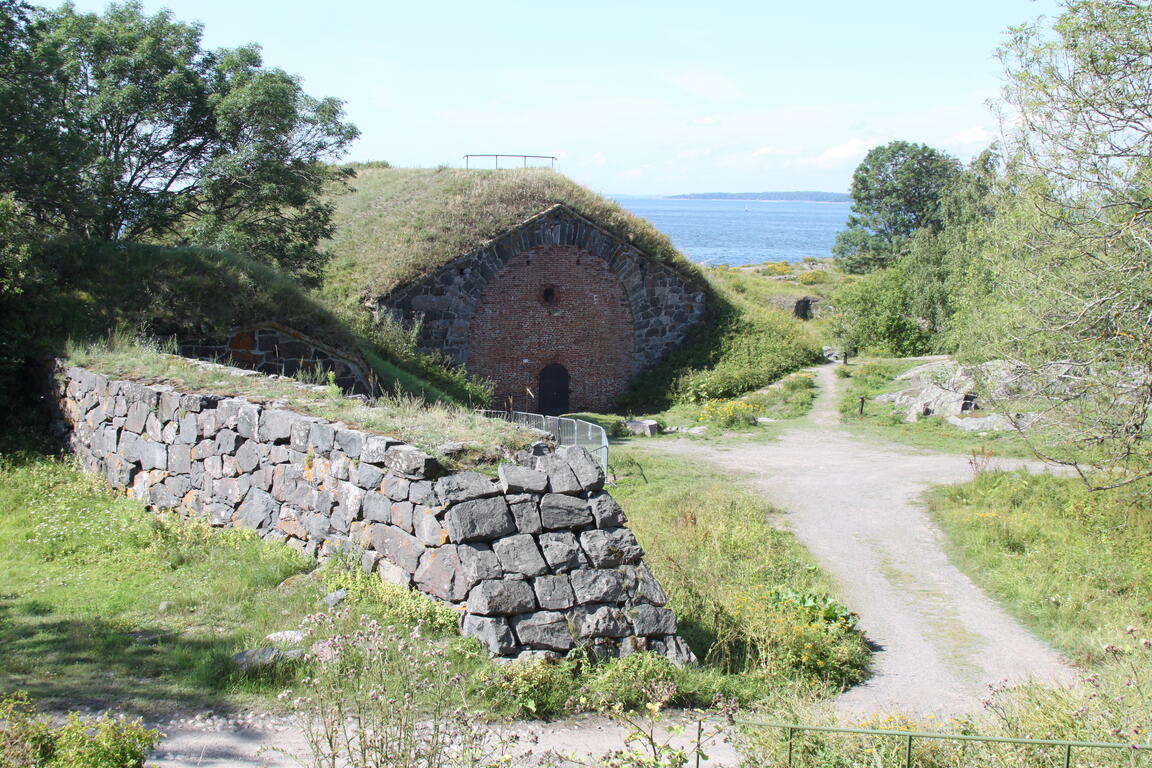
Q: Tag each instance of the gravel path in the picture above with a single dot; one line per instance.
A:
(854, 504)
(250, 740)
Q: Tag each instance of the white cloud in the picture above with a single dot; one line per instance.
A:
(977, 135)
(632, 173)
(769, 151)
(706, 121)
(842, 154)
(707, 85)
(599, 159)
(694, 154)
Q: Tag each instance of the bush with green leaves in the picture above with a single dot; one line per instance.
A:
(30, 741)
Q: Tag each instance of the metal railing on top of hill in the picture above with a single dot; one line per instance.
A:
(567, 431)
(524, 158)
(1050, 752)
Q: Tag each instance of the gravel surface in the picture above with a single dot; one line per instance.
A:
(252, 739)
(853, 502)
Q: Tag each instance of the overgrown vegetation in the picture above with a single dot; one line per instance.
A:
(27, 739)
(743, 343)
(400, 223)
(1071, 563)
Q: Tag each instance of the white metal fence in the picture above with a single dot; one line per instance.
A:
(567, 431)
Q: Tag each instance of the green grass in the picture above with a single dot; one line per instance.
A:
(398, 224)
(85, 290)
(869, 378)
(426, 425)
(744, 343)
(102, 602)
(1073, 564)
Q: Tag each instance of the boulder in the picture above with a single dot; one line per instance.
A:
(479, 520)
(558, 511)
(516, 479)
(519, 554)
(502, 597)
(547, 630)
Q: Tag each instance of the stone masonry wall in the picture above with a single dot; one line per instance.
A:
(537, 561)
(274, 348)
(662, 304)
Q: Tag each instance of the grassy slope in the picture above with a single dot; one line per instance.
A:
(398, 224)
(84, 291)
(1075, 565)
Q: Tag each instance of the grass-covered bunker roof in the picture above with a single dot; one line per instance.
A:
(398, 224)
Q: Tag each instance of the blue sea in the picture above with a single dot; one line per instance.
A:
(736, 232)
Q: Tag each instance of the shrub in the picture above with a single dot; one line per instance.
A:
(391, 603)
(539, 688)
(728, 413)
(813, 277)
(106, 742)
(627, 682)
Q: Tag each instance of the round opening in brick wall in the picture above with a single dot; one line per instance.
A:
(548, 295)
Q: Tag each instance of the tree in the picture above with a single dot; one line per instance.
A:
(895, 191)
(1073, 270)
(150, 138)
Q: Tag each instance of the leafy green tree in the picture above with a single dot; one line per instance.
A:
(1072, 270)
(896, 192)
(145, 136)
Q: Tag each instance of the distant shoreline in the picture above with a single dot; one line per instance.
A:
(771, 197)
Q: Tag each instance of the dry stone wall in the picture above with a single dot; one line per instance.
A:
(538, 561)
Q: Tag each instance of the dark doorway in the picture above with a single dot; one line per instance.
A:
(553, 390)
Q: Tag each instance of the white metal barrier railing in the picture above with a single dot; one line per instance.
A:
(567, 431)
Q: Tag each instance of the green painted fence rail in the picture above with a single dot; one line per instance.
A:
(909, 738)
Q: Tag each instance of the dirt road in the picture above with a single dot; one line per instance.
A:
(854, 504)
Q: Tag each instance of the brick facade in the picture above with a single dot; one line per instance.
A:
(613, 303)
(554, 304)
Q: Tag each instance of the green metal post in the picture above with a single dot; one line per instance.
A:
(789, 748)
(908, 752)
(1068, 756)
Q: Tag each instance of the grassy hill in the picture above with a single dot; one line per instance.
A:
(400, 223)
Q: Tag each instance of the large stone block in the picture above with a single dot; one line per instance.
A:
(610, 547)
(350, 442)
(247, 456)
(248, 421)
(516, 479)
(603, 621)
(276, 425)
(464, 486)
(375, 450)
(519, 554)
(501, 597)
(554, 593)
(410, 462)
(258, 509)
(597, 586)
(561, 478)
(439, 574)
(478, 562)
(480, 520)
(641, 586)
(152, 455)
(548, 630)
(526, 511)
(561, 551)
(587, 470)
(650, 621)
(227, 441)
(493, 632)
(605, 511)
(321, 438)
(428, 528)
(376, 507)
(558, 511)
(401, 548)
(368, 477)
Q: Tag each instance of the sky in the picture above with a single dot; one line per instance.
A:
(639, 97)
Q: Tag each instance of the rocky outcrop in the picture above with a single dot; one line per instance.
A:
(538, 560)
